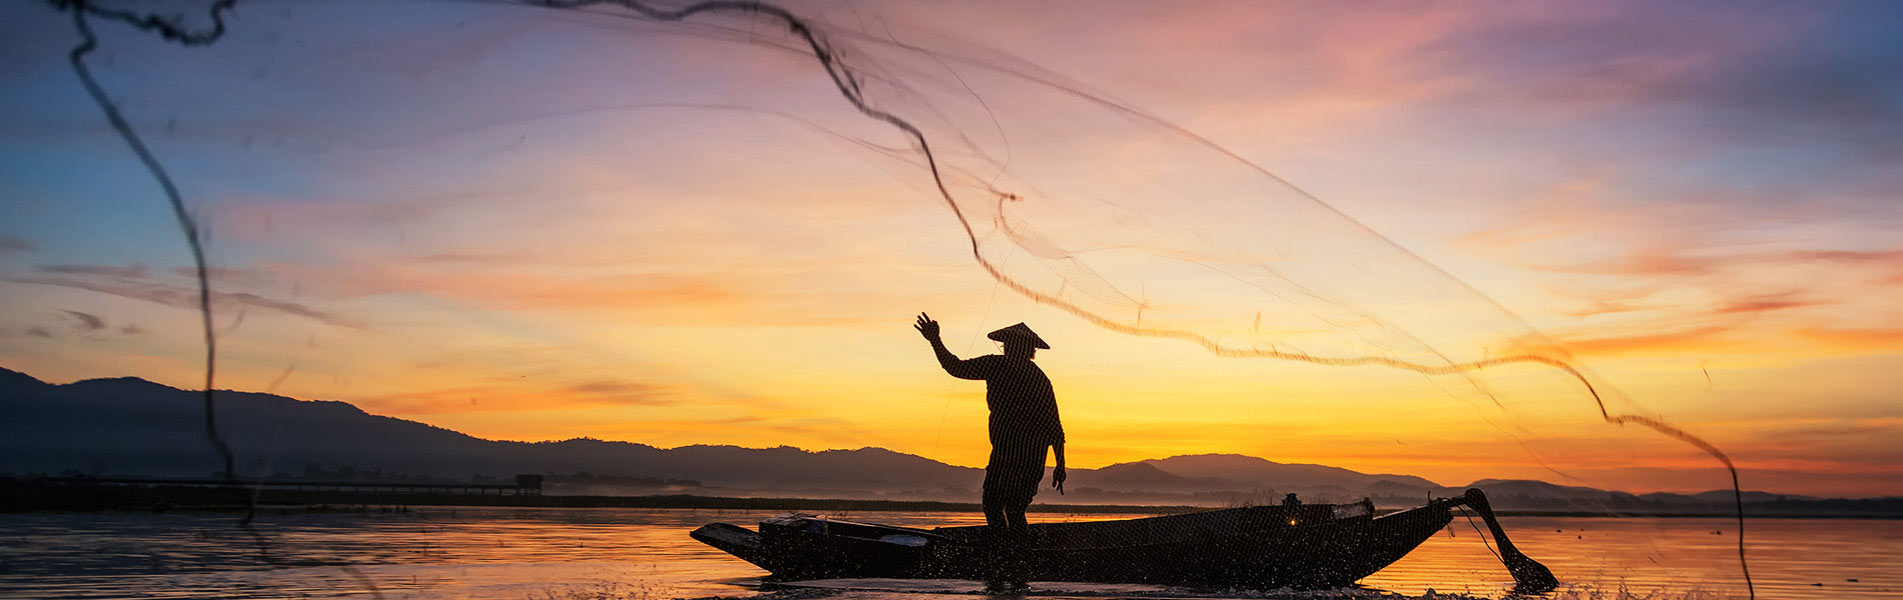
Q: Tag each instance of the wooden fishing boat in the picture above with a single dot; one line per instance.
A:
(1299, 546)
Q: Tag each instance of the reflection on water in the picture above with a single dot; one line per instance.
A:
(645, 553)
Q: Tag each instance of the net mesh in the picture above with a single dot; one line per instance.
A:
(378, 145)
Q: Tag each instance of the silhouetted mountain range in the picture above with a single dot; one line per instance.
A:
(132, 427)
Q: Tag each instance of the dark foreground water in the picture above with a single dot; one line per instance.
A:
(645, 553)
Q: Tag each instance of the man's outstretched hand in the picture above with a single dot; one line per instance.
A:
(926, 326)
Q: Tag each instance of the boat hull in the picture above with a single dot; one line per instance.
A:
(1314, 546)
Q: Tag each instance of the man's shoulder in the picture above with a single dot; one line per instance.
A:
(1018, 364)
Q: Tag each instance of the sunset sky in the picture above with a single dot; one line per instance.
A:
(533, 225)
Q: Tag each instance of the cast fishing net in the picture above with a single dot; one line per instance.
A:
(416, 171)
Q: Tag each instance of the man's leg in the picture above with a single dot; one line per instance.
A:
(1028, 471)
(1010, 482)
(996, 519)
(997, 525)
(1017, 549)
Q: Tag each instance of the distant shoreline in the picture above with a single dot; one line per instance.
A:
(31, 497)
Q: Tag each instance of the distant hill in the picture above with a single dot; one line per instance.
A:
(1540, 489)
(129, 426)
(132, 427)
(1254, 471)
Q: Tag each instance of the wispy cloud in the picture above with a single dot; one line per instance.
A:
(1678, 339)
(87, 321)
(749, 429)
(1644, 262)
(1887, 427)
(526, 396)
(125, 271)
(1768, 303)
(683, 293)
(1887, 264)
(621, 392)
(1733, 321)
(249, 276)
(13, 243)
(1876, 339)
(133, 282)
(1880, 257)
(466, 258)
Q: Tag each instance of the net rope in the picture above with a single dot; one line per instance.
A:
(995, 210)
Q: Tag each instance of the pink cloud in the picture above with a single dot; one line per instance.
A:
(132, 282)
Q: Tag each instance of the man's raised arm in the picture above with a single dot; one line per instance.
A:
(962, 369)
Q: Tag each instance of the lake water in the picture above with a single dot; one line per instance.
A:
(646, 554)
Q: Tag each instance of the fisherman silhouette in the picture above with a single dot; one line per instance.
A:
(1023, 426)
